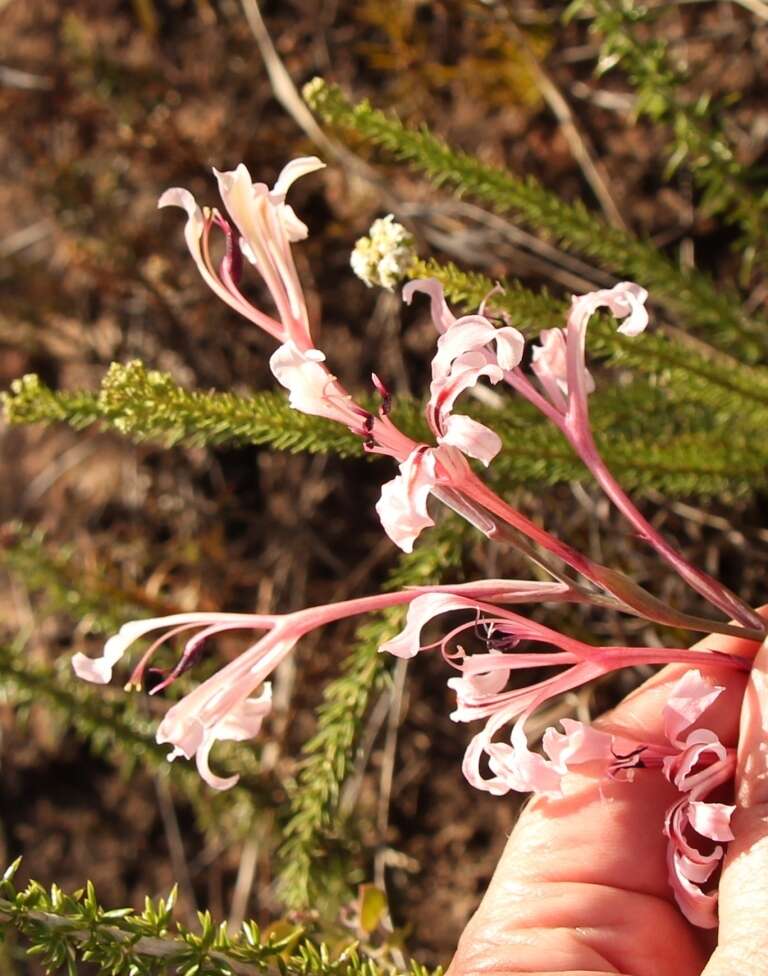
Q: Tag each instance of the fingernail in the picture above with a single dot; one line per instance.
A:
(752, 766)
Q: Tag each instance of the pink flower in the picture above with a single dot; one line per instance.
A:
(267, 227)
(469, 348)
(551, 367)
(559, 362)
(481, 687)
(402, 506)
(221, 707)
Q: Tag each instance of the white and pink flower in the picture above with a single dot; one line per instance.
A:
(468, 349)
(264, 228)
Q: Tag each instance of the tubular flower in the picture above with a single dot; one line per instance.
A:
(222, 707)
(261, 226)
(464, 355)
(565, 384)
(233, 702)
(559, 361)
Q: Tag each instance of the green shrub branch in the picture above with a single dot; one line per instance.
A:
(688, 295)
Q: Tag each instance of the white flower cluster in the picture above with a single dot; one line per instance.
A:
(384, 256)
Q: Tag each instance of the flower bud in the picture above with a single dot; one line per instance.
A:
(384, 256)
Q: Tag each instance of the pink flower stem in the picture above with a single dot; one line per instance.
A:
(577, 429)
(630, 656)
(714, 592)
(480, 493)
(630, 597)
(575, 426)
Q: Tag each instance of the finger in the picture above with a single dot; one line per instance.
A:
(743, 905)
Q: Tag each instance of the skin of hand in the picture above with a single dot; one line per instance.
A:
(581, 887)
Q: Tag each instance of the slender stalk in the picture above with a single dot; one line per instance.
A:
(713, 591)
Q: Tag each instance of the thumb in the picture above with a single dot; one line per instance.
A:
(743, 934)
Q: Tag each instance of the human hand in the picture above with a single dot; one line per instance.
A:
(582, 885)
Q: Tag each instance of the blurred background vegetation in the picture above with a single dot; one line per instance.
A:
(622, 142)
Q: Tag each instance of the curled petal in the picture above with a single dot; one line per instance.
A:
(521, 769)
(445, 390)
(510, 346)
(304, 376)
(699, 908)
(580, 743)
(625, 301)
(689, 698)
(473, 688)
(712, 820)
(635, 298)
(442, 317)
(466, 335)
(294, 170)
(681, 768)
(193, 231)
(470, 437)
(295, 228)
(96, 670)
(177, 196)
(423, 609)
(242, 723)
(402, 507)
(496, 785)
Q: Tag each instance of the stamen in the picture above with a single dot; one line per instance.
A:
(136, 680)
(231, 267)
(193, 651)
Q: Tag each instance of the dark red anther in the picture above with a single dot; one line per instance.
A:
(632, 760)
(386, 396)
(369, 443)
(368, 422)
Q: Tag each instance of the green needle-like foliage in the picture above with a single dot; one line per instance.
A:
(688, 295)
(696, 126)
(63, 931)
(314, 869)
(695, 393)
(96, 604)
(145, 404)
